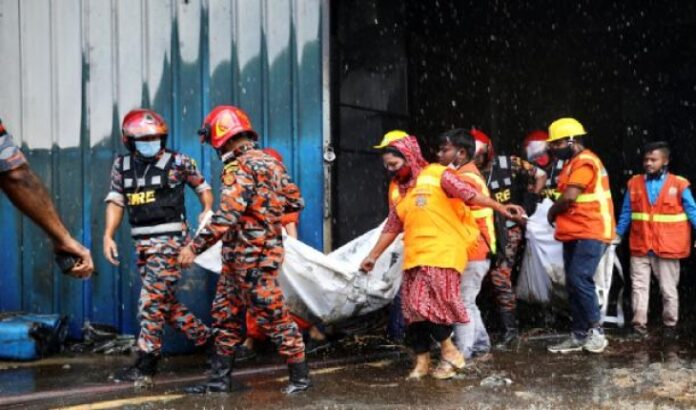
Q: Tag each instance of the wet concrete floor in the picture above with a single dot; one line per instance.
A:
(648, 374)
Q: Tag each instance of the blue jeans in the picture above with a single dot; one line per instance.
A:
(581, 259)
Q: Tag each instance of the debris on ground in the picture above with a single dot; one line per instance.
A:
(496, 380)
(100, 338)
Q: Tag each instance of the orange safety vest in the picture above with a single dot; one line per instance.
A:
(435, 233)
(664, 227)
(483, 215)
(591, 216)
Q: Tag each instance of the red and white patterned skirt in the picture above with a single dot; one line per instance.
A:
(432, 294)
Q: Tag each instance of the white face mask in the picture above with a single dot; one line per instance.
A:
(535, 149)
(148, 149)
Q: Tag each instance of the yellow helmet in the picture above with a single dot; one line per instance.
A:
(565, 128)
(391, 136)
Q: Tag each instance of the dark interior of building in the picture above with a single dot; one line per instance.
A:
(626, 70)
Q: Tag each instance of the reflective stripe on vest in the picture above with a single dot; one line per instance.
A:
(599, 195)
(485, 213)
(641, 216)
(172, 227)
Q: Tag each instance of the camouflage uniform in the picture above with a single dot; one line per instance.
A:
(159, 268)
(256, 191)
(507, 175)
(10, 155)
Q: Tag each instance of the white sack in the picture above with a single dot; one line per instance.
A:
(330, 287)
(542, 277)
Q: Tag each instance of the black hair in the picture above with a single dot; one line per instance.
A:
(393, 151)
(461, 139)
(661, 146)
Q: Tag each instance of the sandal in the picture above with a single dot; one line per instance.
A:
(447, 369)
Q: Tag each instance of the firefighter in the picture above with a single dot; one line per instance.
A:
(658, 207)
(315, 339)
(507, 178)
(26, 191)
(256, 192)
(536, 150)
(149, 183)
(584, 219)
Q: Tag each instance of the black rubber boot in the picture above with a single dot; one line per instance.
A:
(299, 378)
(511, 335)
(141, 372)
(220, 380)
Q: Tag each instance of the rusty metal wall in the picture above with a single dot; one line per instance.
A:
(70, 70)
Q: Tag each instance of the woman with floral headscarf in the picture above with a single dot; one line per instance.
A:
(428, 203)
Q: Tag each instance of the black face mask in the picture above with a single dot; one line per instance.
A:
(563, 153)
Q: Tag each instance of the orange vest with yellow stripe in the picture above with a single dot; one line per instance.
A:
(483, 215)
(434, 232)
(663, 227)
(591, 215)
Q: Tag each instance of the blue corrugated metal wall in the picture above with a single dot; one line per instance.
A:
(72, 68)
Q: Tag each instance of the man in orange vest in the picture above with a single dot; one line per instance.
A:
(457, 149)
(584, 220)
(658, 207)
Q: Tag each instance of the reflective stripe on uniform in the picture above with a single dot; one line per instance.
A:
(584, 198)
(164, 159)
(157, 229)
(126, 162)
(600, 195)
(482, 213)
(642, 216)
(485, 213)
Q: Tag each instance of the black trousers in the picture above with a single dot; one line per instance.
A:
(422, 334)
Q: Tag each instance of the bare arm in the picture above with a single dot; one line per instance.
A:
(456, 187)
(26, 191)
(385, 239)
(28, 194)
(206, 198)
(539, 181)
(291, 229)
(114, 216)
(508, 211)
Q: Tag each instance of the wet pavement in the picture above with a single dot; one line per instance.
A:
(646, 374)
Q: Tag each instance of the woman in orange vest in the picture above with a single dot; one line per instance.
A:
(658, 207)
(584, 220)
(316, 339)
(427, 204)
(457, 149)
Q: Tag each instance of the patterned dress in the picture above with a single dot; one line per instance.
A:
(430, 293)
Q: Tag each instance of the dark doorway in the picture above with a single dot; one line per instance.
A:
(626, 69)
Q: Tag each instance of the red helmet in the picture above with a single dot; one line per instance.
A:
(275, 154)
(481, 137)
(536, 147)
(141, 123)
(536, 135)
(223, 123)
